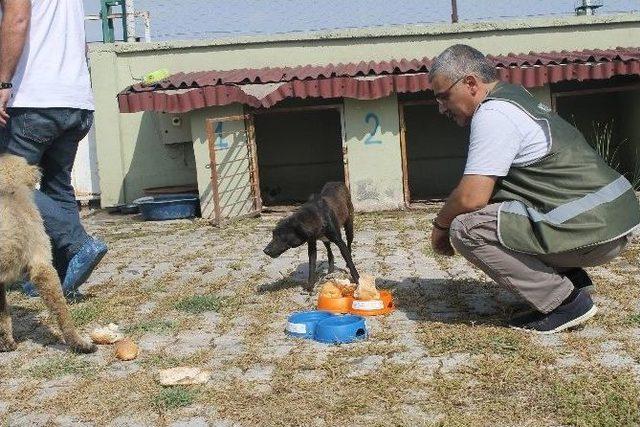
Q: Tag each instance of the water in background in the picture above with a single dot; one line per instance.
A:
(207, 19)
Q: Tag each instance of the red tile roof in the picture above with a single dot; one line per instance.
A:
(265, 87)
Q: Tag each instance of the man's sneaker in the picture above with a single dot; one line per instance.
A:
(568, 315)
(82, 264)
(580, 279)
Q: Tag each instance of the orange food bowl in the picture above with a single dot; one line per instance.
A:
(334, 305)
(373, 307)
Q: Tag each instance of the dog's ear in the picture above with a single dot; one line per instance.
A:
(15, 172)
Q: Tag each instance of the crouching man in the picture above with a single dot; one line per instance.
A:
(536, 203)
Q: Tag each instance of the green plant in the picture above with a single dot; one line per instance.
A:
(174, 397)
(199, 304)
(604, 144)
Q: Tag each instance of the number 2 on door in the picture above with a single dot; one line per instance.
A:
(376, 126)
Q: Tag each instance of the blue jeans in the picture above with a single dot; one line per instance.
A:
(49, 137)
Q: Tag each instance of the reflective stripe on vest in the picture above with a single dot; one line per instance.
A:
(572, 209)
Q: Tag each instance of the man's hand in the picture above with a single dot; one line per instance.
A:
(440, 242)
(5, 96)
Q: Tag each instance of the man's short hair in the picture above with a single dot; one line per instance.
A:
(461, 60)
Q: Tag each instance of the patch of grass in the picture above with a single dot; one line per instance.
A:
(238, 265)
(59, 366)
(442, 338)
(174, 397)
(86, 312)
(598, 398)
(199, 304)
(634, 319)
(126, 235)
(155, 325)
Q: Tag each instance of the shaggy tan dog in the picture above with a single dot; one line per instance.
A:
(25, 248)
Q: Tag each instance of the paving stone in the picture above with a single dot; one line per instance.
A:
(365, 365)
(69, 421)
(31, 419)
(49, 389)
(259, 373)
(192, 422)
(154, 342)
(133, 420)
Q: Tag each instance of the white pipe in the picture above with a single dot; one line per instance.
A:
(147, 25)
(131, 21)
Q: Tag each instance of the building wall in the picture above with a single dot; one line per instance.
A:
(130, 153)
(372, 135)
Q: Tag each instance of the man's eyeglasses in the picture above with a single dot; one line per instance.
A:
(444, 95)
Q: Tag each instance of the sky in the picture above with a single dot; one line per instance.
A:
(206, 19)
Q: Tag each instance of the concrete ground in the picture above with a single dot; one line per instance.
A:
(193, 295)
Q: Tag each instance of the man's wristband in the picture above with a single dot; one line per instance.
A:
(6, 85)
(438, 226)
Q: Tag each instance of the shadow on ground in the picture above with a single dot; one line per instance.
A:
(431, 300)
(28, 327)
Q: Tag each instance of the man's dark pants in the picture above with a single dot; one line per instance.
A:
(49, 137)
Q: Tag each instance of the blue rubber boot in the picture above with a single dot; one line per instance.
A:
(82, 264)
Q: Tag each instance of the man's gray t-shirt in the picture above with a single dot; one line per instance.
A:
(503, 135)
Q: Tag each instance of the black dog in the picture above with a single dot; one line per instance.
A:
(321, 218)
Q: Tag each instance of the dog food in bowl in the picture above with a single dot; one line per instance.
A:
(373, 307)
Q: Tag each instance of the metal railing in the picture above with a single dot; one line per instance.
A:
(128, 17)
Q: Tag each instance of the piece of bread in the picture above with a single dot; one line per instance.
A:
(106, 335)
(126, 349)
(330, 290)
(366, 289)
(346, 287)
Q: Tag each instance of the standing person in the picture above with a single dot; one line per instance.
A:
(46, 108)
(536, 203)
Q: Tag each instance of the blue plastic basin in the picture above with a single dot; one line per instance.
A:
(341, 329)
(168, 206)
(303, 324)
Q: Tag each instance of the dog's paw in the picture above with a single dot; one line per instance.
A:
(83, 346)
(6, 346)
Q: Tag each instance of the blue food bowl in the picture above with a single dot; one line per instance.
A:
(303, 324)
(341, 329)
(168, 206)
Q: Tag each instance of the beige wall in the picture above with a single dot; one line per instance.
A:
(130, 153)
(372, 133)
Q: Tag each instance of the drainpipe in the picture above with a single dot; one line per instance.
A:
(130, 19)
(454, 11)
